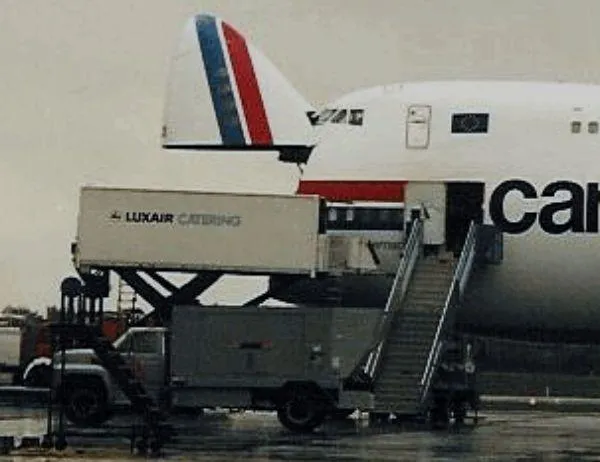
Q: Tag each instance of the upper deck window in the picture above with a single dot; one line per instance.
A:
(470, 122)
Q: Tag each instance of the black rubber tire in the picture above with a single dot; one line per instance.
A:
(301, 412)
(86, 404)
(439, 417)
(458, 412)
(40, 377)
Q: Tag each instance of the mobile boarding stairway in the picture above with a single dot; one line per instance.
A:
(412, 365)
(418, 366)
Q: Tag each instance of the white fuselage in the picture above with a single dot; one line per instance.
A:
(534, 148)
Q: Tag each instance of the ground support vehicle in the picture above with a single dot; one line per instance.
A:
(303, 362)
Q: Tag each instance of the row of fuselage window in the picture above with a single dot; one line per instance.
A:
(365, 218)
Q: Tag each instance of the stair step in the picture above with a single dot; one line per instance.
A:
(396, 403)
(397, 393)
(403, 374)
(400, 378)
(410, 340)
(400, 352)
(412, 330)
(427, 299)
(436, 284)
(407, 322)
(402, 369)
(395, 388)
(407, 365)
(397, 398)
(417, 316)
(402, 355)
(433, 282)
(410, 325)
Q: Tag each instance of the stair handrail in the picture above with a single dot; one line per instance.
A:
(455, 293)
(412, 250)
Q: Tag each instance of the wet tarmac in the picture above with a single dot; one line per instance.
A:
(253, 437)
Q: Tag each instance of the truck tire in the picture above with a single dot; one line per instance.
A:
(86, 403)
(39, 376)
(38, 373)
(301, 411)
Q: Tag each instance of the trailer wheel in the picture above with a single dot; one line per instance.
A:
(439, 414)
(458, 411)
(301, 411)
(86, 404)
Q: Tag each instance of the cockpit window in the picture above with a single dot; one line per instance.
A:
(324, 116)
(339, 117)
(356, 116)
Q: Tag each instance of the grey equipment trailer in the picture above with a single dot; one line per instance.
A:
(293, 360)
(407, 364)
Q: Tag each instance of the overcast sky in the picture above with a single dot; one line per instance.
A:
(83, 81)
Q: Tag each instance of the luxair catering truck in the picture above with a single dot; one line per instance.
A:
(289, 359)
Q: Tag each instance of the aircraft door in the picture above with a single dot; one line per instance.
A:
(417, 127)
(430, 200)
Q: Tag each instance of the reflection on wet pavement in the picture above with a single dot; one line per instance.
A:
(254, 437)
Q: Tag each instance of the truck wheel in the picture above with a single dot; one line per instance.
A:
(301, 412)
(39, 377)
(38, 373)
(439, 415)
(458, 411)
(86, 404)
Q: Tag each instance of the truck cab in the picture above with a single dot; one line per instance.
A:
(89, 392)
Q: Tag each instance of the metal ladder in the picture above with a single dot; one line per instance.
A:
(76, 327)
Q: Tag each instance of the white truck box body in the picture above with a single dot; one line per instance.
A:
(186, 230)
(10, 346)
